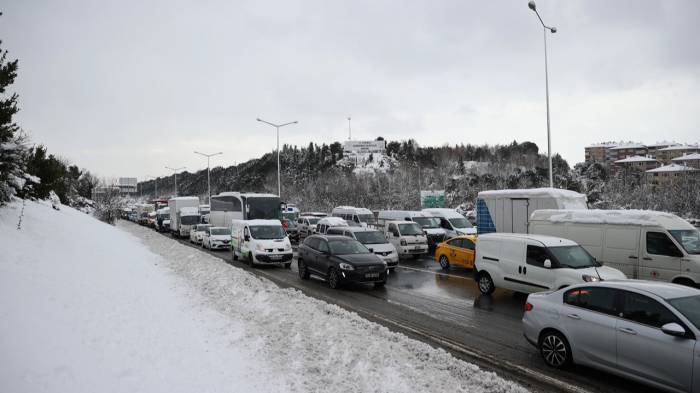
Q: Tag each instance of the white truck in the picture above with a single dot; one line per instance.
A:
(262, 242)
(643, 244)
(509, 210)
(355, 216)
(181, 220)
(407, 237)
(429, 224)
(452, 222)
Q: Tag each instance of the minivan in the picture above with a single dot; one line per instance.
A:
(533, 263)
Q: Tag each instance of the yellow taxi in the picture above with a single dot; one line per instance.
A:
(458, 251)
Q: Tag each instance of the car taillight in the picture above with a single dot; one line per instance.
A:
(528, 306)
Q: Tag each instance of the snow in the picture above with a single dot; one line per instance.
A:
(680, 147)
(635, 159)
(628, 145)
(99, 308)
(688, 157)
(618, 217)
(565, 198)
(671, 168)
(333, 221)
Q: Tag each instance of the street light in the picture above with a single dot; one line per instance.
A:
(533, 7)
(208, 156)
(175, 173)
(278, 126)
(155, 196)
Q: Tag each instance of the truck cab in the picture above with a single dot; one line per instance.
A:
(261, 242)
(407, 237)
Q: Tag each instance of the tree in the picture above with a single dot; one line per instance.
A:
(13, 145)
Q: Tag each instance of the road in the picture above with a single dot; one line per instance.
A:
(446, 309)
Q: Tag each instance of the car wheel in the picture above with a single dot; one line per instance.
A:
(235, 256)
(333, 279)
(288, 265)
(685, 281)
(444, 262)
(555, 350)
(251, 263)
(485, 282)
(303, 271)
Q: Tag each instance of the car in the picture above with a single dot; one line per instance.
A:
(642, 330)
(261, 242)
(458, 251)
(326, 223)
(534, 263)
(373, 239)
(306, 225)
(216, 238)
(197, 233)
(340, 260)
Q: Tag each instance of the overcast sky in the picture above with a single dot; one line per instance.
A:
(124, 88)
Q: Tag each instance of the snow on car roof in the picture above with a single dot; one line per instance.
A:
(185, 198)
(443, 212)
(361, 210)
(333, 221)
(618, 217)
(544, 239)
(189, 210)
(569, 199)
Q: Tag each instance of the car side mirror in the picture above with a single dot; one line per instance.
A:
(246, 238)
(371, 250)
(547, 264)
(673, 329)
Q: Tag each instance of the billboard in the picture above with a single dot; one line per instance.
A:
(364, 147)
(430, 199)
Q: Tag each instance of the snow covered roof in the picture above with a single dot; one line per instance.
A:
(187, 210)
(681, 147)
(333, 221)
(628, 145)
(688, 157)
(260, 222)
(662, 144)
(602, 144)
(185, 198)
(671, 168)
(532, 192)
(635, 159)
(246, 194)
(619, 217)
(358, 210)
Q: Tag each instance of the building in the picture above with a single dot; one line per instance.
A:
(628, 149)
(127, 185)
(691, 160)
(667, 154)
(653, 149)
(600, 152)
(669, 173)
(639, 163)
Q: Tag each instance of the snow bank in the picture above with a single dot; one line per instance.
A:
(84, 307)
(319, 346)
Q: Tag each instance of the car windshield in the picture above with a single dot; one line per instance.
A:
(411, 229)
(427, 222)
(460, 223)
(189, 220)
(266, 232)
(575, 257)
(688, 306)
(347, 246)
(366, 218)
(200, 228)
(314, 220)
(220, 231)
(370, 237)
(688, 238)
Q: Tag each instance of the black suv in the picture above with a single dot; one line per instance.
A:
(340, 259)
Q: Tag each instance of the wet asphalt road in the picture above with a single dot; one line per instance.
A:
(446, 309)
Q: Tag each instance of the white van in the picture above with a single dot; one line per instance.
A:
(373, 239)
(644, 244)
(429, 224)
(452, 222)
(329, 222)
(407, 237)
(533, 263)
(355, 216)
(262, 242)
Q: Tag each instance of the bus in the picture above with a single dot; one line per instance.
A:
(227, 206)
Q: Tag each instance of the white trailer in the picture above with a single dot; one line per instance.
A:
(509, 210)
(175, 205)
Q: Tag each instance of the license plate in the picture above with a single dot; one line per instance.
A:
(417, 247)
(275, 257)
(372, 275)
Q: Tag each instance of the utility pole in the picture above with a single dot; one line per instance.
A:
(279, 176)
(349, 129)
(208, 156)
(175, 174)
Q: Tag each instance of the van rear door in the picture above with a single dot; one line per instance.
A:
(621, 249)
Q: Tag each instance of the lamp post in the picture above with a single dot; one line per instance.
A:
(175, 174)
(278, 126)
(208, 156)
(156, 180)
(533, 7)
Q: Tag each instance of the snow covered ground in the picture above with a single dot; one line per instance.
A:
(89, 307)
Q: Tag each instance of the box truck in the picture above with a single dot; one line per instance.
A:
(509, 210)
(180, 222)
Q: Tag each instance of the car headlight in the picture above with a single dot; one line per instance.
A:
(259, 247)
(346, 266)
(589, 278)
(403, 242)
(287, 247)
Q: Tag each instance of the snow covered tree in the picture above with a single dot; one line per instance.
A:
(13, 143)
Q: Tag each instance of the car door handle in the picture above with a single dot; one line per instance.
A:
(627, 330)
(524, 269)
(647, 259)
(632, 257)
(574, 316)
(520, 270)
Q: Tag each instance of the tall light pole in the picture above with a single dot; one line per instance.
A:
(156, 180)
(208, 156)
(278, 126)
(553, 29)
(175, 174)
(349, 129)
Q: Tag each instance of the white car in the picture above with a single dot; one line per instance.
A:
(216, 238)
(197, 233)
(534, 263)
(374, 240)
